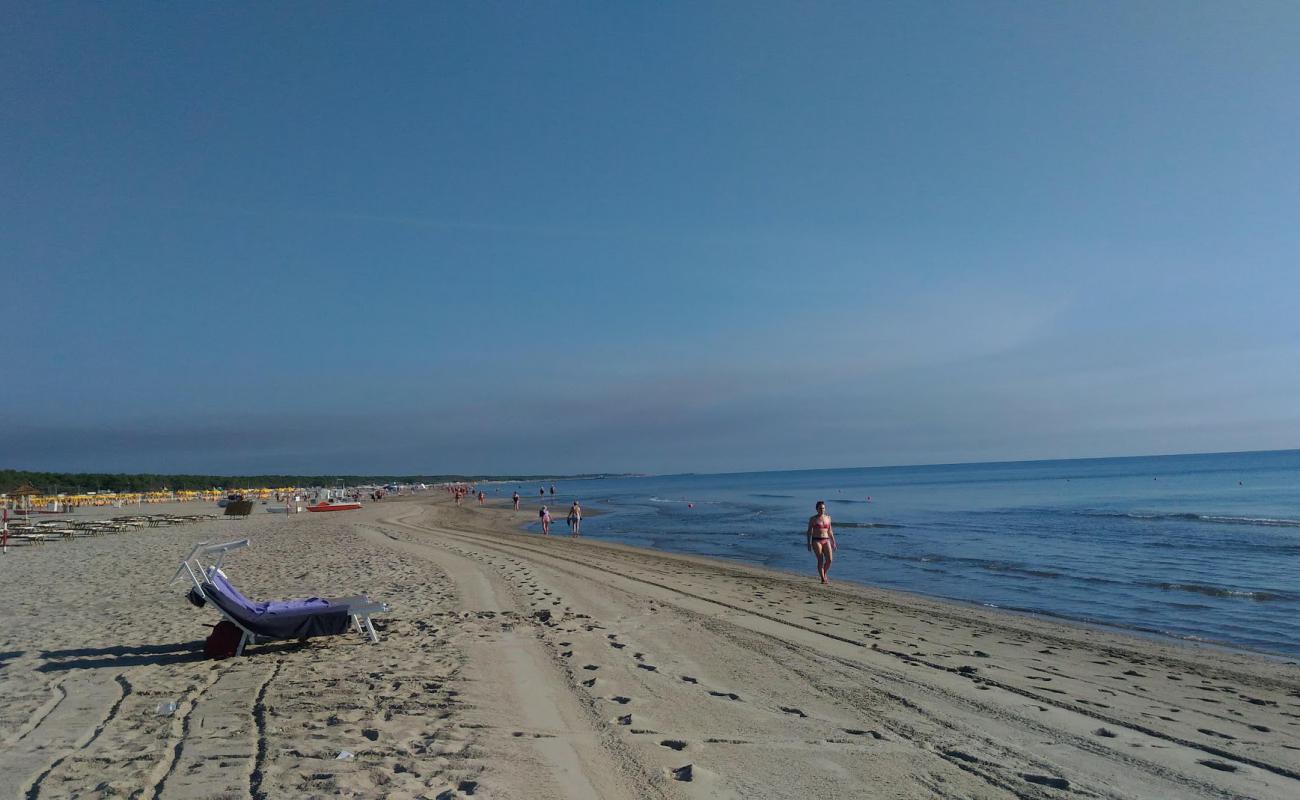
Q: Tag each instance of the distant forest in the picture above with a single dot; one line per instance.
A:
(78, 482)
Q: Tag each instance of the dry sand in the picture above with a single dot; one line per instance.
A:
(514, 666)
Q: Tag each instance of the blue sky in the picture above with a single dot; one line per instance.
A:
(649, 237)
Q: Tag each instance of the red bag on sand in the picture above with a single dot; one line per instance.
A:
(223, 641)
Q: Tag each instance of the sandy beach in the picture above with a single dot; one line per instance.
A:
(517, 666)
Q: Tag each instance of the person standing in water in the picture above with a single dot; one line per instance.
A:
(515, 498)
(821, 539)
(545, 517)
(575, 519)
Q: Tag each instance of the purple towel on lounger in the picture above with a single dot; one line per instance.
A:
(274, 607)
(287, 621)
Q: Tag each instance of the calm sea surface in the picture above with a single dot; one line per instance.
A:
(1203, 547)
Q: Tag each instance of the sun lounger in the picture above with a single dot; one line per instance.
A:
(239, 508)
(264, 621)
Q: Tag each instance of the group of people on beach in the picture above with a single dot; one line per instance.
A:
(574, 519)
(820, 534)
(544, 514)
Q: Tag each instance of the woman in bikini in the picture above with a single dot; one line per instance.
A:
(575, 519)
(821, 539)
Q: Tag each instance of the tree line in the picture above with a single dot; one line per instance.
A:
(82, 482)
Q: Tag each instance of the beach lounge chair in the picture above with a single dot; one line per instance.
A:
(239, 508)
(265, 621)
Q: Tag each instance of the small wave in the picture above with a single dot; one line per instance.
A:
(1273, 523)
(868, 525)
(772, 495)
(683, 502)
(1190, 517)
(1223, 591)
(999, 566)
(922, 559)
(839, 500)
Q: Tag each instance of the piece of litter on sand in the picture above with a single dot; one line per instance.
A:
(166, 709)
(343, 755)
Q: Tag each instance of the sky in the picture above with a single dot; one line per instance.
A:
(558, 237)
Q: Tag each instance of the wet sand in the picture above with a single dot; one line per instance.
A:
(520, 666)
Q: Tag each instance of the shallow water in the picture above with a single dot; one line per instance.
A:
(1199, 547)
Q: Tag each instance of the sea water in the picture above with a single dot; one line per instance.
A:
(1202, 547)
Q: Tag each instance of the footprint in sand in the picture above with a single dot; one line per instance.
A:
(1209, 732)
(728, 695)
(648, 667)
(1044, 780)
(689, 679)
(1219, 765)
(590, 667)
(673, 744)
(621, 700)
(589, 683)
(684, 773)
(795, 711)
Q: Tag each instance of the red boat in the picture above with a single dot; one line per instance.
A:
(335, 505)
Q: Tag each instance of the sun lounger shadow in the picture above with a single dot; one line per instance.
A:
(120, 650)
(120, 657)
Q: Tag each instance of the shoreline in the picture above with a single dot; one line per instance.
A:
(1146, 634)
(514, 665)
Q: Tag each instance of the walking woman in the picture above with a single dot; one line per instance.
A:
(545, 517)
(821, 539)
(575, 519)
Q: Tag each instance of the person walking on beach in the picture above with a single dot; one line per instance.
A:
(515, 499)
(545, 516)
(575, 519)
(821, 539)
(481, 496)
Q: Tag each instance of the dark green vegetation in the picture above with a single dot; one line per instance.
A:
(74, 482)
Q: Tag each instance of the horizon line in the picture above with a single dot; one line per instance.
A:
(505, 476)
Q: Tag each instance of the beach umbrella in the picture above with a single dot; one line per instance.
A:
(25, 492)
